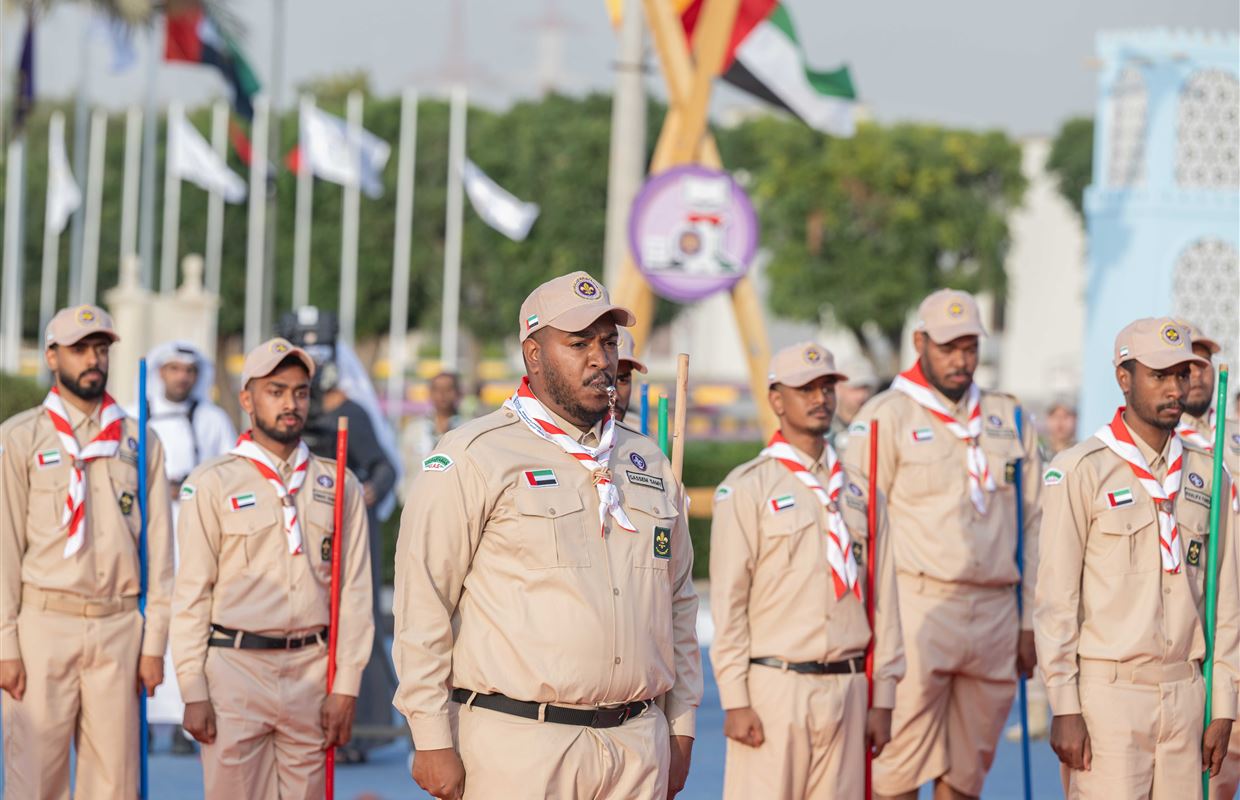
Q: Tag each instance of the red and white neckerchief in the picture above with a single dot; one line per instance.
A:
(247, 449)
(839, 541)
(537, 419)
(913, 383)
(1117, 437)
(1191, 435)
(105, 445)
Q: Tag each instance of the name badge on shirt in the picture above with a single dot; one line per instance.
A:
(641, 479)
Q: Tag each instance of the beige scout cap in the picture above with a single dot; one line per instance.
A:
(71, 325)
(569, 303)
(949, 314)
(625, 346)
(1157, 342)
(1198, 336)
(801, 363)
(262, 360)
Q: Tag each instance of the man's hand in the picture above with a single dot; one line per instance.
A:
(336, 717)
(199, 720)
(440, 773)
(678, 773)
(1026, 655)
(1214, 745)
(368, 495)
(13, 677)
(878, 730)
(744, 726)
(150, 674)
(1070, 741)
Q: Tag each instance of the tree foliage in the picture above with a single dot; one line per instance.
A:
(866, 227)
(1072, 160)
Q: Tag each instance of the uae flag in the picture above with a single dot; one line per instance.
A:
(765, 59)
(195, 38)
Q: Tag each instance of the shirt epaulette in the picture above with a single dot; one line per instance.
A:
(28, 417)
(461, 438)
(1078, 452)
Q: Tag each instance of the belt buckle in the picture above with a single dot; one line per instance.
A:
(610, 717)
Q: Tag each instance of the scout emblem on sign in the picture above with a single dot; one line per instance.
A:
(693, 232)
(662, 542)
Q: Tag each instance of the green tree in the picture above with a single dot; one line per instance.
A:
(866, 227)
(1072, 160)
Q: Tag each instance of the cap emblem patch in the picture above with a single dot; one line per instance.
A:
(955, 310)
(586, 289)
(1171, 335)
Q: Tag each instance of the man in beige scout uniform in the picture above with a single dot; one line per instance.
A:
(627, 364)
(252, 600)
(543, 593)
(948, 453)
(73, 648)
(787, 577)
(1119, 600)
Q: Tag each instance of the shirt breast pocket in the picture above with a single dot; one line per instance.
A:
(1126, 541)
(317, 532)
(554, 527)
(1001, 457)
(929, 468)
(654, 515)
(240, 541)
(789, 537)
(124, 478)
(1195, 548)
(49, 491)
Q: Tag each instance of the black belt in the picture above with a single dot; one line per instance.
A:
(584, 717)
(849, 666)
(253, 641)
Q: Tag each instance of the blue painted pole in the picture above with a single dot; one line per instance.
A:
(144, 786)
(645, 409)
(1018, 483)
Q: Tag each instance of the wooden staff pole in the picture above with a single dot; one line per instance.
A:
(682, 405)
(333, 631)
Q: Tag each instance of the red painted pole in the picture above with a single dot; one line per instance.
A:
(342, 451)
(871, 522)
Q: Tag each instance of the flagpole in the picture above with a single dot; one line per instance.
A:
(94, 200)
(626, 167)
(254, 252)
(399, 324)
(51, 241)
(448, 337)
(81, 113)
(11, 287)
(215, 201)
(348, 235)
(129, 187)
(304, 214)
(146, 223)
(172, 202)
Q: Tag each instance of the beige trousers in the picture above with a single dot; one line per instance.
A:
(814, 726)
(1146, 740)
(521, 759)
(960, 647)
(269, 738)
(81, 687)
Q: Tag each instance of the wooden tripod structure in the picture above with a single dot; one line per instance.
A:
(690, 74)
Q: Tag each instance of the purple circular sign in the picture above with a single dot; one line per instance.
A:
(692, 232)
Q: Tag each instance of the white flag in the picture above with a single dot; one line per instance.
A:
(63, 195)
(325, 152)
(509, 215)
(191, 159)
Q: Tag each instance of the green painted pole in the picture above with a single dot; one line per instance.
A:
(664, 432)
(1217, 500)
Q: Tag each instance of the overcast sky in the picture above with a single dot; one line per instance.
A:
(1020, 66)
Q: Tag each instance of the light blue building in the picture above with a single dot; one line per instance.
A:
(1163, 210)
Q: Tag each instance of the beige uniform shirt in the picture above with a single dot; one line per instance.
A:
(32, 539)
(771, 590)
(236, 570)
(504, 583)
(935, 529)
(1102, 591)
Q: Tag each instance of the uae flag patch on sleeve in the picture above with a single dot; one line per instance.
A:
(540, 478)
(783, 503)
(240, 502)
(1119, 498)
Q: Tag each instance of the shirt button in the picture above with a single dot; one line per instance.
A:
(1167, 590)
(551, 511)
(1168, 643)
(616, 592)
(618, 657)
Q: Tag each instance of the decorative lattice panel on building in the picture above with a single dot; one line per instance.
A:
(1207, 291)
(1129, 102)
(1207, 154)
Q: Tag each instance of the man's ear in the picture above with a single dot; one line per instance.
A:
(247, 400)
(52, 359)
(776, 399)
(919, 342)
(531, 350)
(1124, 378)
